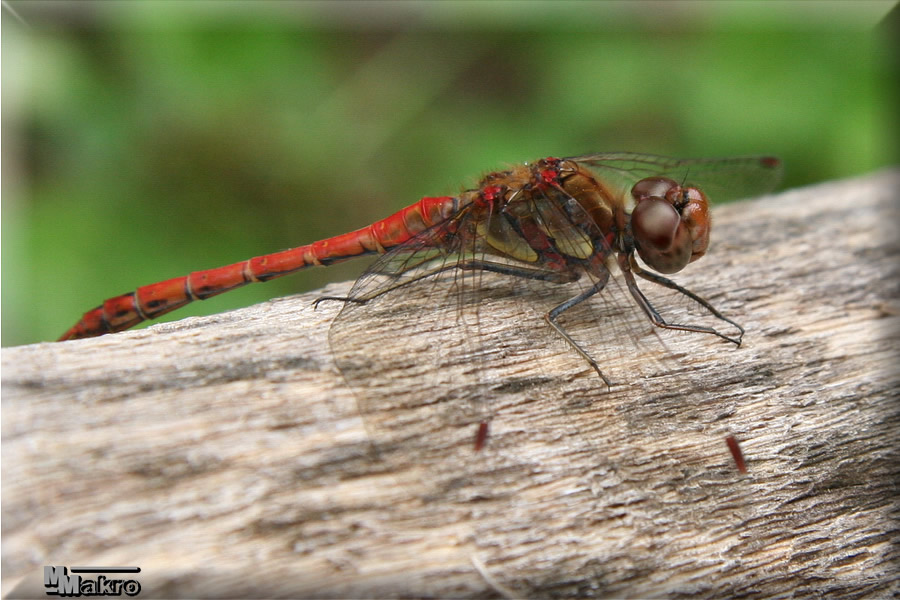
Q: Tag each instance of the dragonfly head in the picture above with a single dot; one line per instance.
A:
(670, 223)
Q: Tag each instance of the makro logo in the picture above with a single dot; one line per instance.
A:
(59, 582)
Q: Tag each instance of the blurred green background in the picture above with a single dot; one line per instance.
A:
(145, 140)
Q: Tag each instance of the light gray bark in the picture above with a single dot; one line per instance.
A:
(227, 455)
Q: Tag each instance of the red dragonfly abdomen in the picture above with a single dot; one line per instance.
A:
(151, 301)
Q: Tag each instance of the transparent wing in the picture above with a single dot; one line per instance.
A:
(480, 366)
(722, 179)
(423, 407)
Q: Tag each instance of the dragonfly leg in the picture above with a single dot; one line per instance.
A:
(362, 299)
(554, 277)
(524, 272)
(628, 266)
(551, 317)
(467, 265)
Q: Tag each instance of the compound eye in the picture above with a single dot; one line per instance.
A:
(662, 240)
(660, 187)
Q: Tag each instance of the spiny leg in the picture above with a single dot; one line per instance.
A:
(653, 314)
(467, 265)
(551, 316)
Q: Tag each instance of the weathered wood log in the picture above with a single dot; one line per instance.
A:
(227, 456)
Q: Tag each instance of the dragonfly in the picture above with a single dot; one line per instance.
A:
(552, 220)
(553, 224)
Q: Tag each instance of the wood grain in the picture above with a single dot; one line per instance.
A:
(227, 456)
